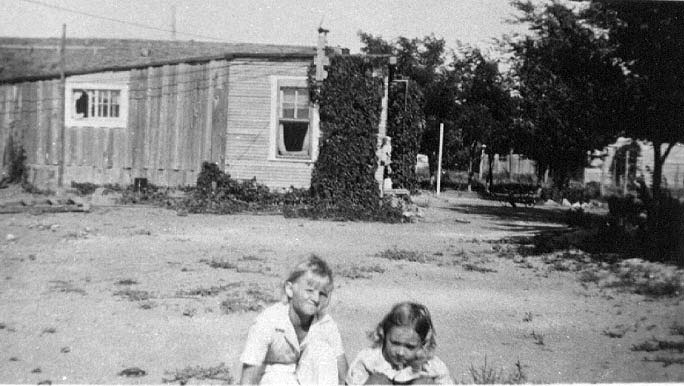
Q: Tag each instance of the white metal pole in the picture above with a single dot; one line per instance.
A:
(439, 159)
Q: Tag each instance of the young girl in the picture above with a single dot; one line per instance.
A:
(402, 351)
(295, 341)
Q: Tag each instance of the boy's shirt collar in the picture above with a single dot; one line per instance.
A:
(284, 325)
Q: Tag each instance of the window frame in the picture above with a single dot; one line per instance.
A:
(72, 120)
(278, 83)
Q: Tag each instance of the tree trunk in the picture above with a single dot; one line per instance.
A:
(657, 172)
(490, 177)
(471, 160)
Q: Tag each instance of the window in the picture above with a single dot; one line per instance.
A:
(293, 137)
(96, 105)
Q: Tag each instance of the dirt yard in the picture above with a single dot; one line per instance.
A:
(84, 296)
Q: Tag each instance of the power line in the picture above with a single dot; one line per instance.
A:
(139, 25)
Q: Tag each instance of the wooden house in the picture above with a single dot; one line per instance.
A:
(130, 109)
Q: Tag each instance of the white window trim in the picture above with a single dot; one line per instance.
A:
(293, 81)
(69, 109)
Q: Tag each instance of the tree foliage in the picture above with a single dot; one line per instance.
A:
(567, 77)
(649, 37)
(422, 62)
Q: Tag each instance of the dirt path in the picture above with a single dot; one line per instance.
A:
(85, 295)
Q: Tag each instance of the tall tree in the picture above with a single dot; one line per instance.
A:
(567, 76)
(485, 109)
(650, 41)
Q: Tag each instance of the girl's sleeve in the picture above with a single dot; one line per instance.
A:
(358, 373)
(441, 372)
(256, 346)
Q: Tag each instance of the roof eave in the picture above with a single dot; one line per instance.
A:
(299, 56)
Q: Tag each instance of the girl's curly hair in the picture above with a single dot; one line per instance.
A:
(407, 314)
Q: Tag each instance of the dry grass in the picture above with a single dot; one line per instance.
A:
(253, 298)
(223, 264)
(477, 268)
(198, 373)
(488, 375)
(211, 291)
(402, 255)
(65, 287)
(359, 272)
(134, 295)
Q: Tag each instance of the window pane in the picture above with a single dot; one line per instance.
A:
(303, 113)
(295, 136)
(80, 103)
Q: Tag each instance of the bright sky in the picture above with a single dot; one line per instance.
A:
(262, 21)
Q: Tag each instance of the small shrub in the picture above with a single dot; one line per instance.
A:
(84, 188)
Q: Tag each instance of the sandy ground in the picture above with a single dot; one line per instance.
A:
(67, 314)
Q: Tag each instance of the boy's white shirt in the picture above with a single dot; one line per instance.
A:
(272, 338)
(371, 360)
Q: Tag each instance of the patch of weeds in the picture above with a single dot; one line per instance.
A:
(538, 338)
(252, 258)
(359, 272)
(126, 282)
(219, 373)
(132, 372)
(37, 370)
(649, 279)
(211, 291)
(45, 382)
(65, 287)
(49, 330)
(254, 298)
(488, 375)
(250, 268)
(666, 360)
(402, 254)
(527, 317)
(147, 305)
(222, 264)
(65, 350)
(616, 332)
(589, 276)
(190, 312)
(477, 268)
(134, 295)
(659, 344)
(677, 329)
(14, 359)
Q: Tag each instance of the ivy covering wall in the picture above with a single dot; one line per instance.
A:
(405, 125)
(342, 181)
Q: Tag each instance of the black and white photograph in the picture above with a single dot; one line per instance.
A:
(341, 192)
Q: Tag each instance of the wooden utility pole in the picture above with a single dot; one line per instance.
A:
(62, 115)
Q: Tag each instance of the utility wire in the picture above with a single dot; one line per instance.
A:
(139, 25)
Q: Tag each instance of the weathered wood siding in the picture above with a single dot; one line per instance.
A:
(178, 116)
(176, 120)
(30, 121)
(249, 127)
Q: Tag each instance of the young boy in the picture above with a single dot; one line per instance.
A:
(296, 342)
